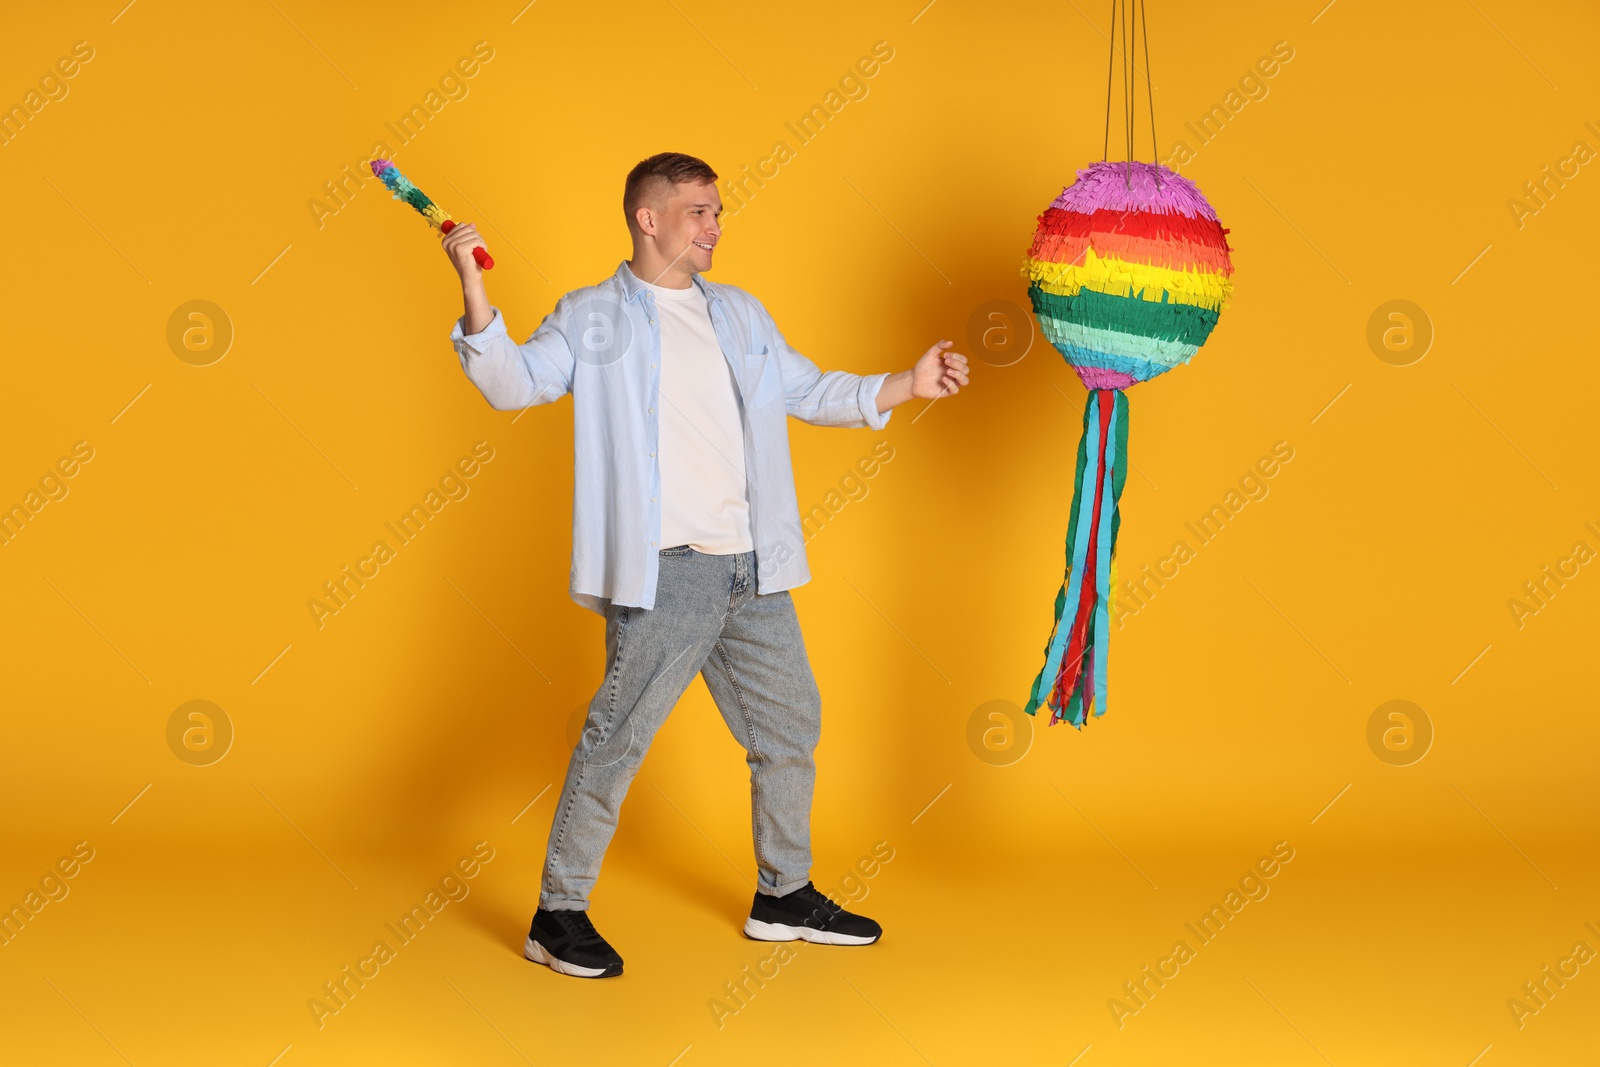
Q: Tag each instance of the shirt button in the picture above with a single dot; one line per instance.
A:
(652, 366)
(652, 455)
(652, 500)
(651, 410)
(652, 322)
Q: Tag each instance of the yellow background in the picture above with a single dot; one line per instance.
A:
(371, 754)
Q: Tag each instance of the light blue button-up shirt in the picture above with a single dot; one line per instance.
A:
(602, 344)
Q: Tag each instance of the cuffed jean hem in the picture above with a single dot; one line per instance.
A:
(783, 890)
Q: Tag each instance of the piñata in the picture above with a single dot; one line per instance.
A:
(1128, 272)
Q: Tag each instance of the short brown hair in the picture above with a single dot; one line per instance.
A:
(672, 168)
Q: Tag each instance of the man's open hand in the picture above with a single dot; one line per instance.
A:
(939, 372)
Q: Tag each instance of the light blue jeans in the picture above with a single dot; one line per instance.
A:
(707, 620)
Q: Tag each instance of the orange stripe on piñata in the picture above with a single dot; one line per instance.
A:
(1171, 254)
(1056, 223)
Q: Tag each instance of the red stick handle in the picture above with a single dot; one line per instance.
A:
(484, 259)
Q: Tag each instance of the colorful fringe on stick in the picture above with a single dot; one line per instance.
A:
(1128, 272)
(437, 217)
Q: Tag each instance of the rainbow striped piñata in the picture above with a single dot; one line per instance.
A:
(1128, 273)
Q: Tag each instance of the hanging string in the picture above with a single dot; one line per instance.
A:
(1105, 151)
(1127, 106)
(1130, 43)
(1149, 93)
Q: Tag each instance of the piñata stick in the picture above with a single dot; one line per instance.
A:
(437, 217)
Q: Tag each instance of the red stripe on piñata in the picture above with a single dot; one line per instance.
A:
(1153, 225)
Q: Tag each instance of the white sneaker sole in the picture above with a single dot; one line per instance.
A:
(760, 931)
(536, 952)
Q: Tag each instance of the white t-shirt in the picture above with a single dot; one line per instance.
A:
(704, 495)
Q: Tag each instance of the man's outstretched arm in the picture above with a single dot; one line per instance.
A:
(839, 398)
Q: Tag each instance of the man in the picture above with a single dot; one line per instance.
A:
(686, 535)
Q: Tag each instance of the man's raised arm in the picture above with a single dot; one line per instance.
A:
(510, 376)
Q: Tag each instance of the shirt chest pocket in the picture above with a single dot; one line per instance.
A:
(763, 382)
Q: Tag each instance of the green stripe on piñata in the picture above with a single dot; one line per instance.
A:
(1152, 350)
(1187, 323)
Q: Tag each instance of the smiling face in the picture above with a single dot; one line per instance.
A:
(682, 227)
(689, 224)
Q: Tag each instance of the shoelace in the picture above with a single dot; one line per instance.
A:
(823, 910)
(577, 926)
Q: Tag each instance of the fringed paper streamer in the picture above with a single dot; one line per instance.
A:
(1128, 273)
(1168, 227)
(1173, 322)
(1072, 682)
(1107, 185)
(1129, 248)
(1116, 277)
(1113, 343)
(437, 217)
(1138, 237)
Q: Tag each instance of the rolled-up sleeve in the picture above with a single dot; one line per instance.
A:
(512, 376)
(827, 398)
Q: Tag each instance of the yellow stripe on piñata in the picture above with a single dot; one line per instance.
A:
(1116, 277)
(436, 215)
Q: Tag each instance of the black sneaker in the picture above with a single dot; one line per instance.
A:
(808, 915)
(567, 943)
